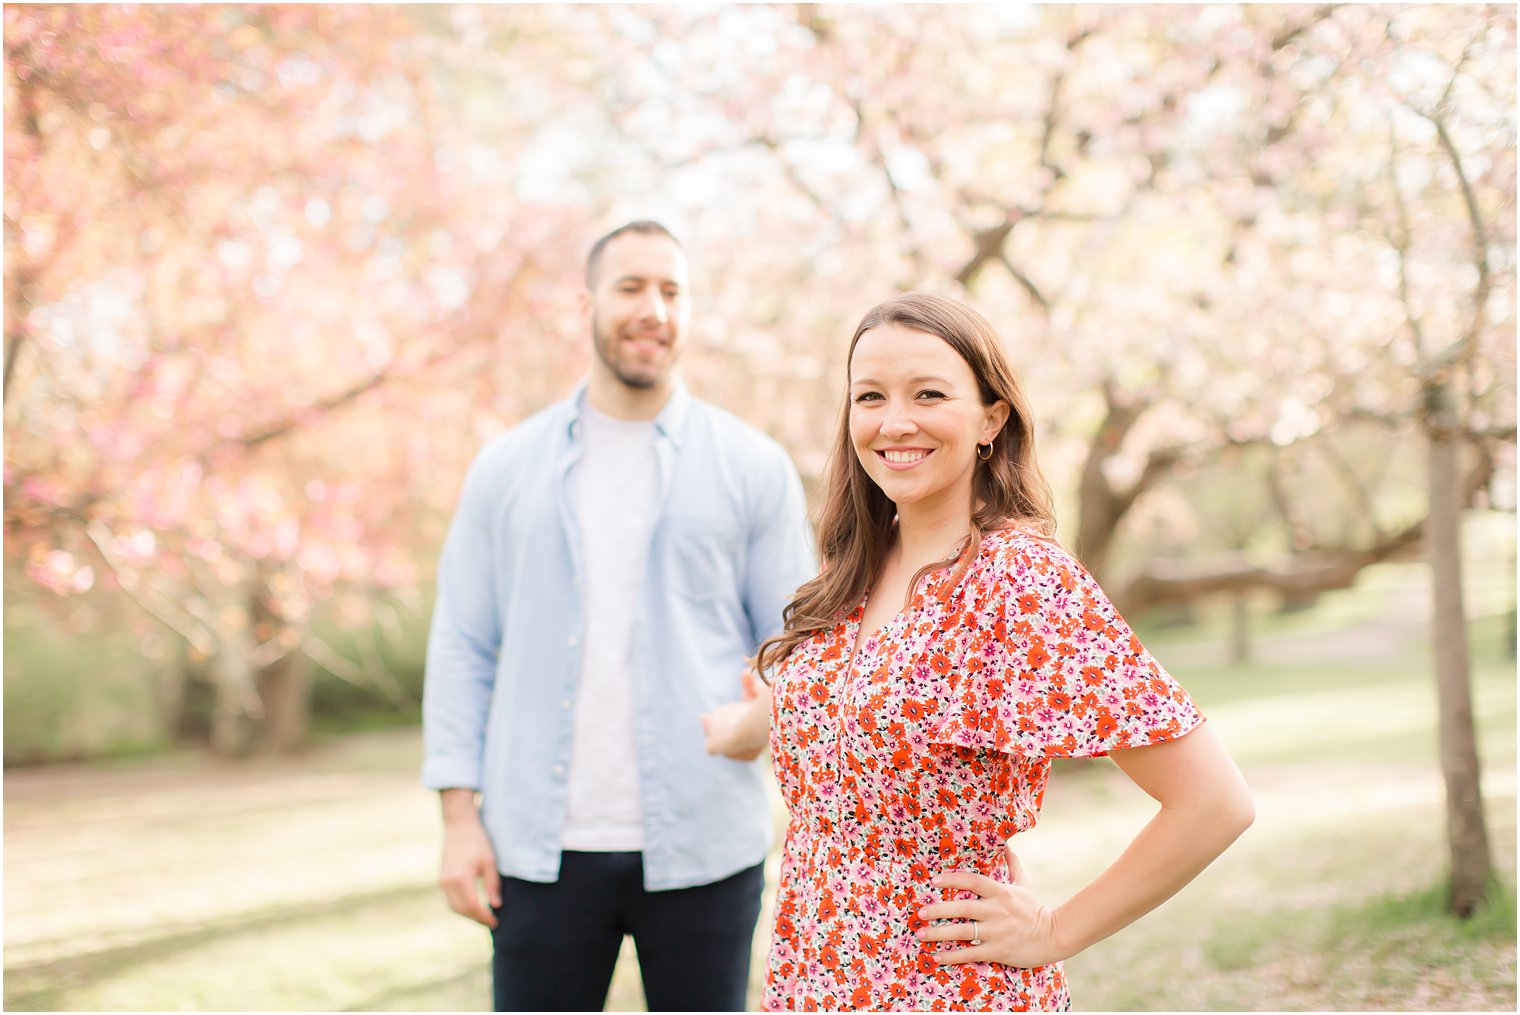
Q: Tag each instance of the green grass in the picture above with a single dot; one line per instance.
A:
(1426, 910)
(182, 883)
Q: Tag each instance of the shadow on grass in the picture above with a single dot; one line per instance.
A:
(466, 990)
(39, 986)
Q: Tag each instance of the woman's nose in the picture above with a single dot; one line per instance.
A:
(898, 423)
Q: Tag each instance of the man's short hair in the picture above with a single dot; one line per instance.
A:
(644, 227)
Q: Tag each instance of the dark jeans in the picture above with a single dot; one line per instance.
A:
(557, 944)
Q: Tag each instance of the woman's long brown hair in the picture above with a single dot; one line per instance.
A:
(855, 527)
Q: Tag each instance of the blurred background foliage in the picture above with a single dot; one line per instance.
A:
(274, 273)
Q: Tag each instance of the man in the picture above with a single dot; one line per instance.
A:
(613, 561)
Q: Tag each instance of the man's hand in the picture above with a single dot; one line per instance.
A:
(469, 864)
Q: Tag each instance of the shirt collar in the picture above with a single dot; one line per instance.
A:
(670, 423)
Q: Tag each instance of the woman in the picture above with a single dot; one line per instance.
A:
(924, 681)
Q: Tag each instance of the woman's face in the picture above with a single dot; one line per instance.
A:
(916, 416)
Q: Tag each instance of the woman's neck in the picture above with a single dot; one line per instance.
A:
(929, 532)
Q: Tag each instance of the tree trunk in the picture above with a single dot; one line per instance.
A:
(1301, 600)
(1097, 515)
(1099, 507)
(1240, 629)
(1467, 832)
(285, 687)
(233, 724)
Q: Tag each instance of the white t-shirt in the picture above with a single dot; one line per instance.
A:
(616, 482)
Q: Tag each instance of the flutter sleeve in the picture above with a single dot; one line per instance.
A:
(1050, 669)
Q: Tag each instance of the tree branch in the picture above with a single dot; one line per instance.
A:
(1027, 282)
(345, 669)
(290, 423)
(166, 611)
(1317, 571)
(1359, 491)
(1287, 35)
(1462, 347)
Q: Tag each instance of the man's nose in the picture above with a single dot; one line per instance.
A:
(655, 308)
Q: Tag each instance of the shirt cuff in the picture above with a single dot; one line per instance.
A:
(450, 773)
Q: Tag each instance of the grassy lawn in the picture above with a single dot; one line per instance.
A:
(182, 884)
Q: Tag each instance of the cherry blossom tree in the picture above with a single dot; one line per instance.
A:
(248, 333)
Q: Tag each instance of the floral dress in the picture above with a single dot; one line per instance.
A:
(926, 752)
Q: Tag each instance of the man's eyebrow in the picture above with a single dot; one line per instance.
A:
(646, 278)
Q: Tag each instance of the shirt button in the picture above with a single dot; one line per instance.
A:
(559, 769)
(571, 641)
(565, 704)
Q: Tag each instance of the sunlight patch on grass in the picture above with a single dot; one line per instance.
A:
(1393, 721)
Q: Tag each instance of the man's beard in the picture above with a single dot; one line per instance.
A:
(614, 341)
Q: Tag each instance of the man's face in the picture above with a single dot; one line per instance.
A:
(639, 308)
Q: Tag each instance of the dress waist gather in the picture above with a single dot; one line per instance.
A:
(810, 840)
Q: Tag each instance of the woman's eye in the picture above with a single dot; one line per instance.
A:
(930, 393)
(868, 396)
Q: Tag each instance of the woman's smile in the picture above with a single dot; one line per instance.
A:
(903, 458)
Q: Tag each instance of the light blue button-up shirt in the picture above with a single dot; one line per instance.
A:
(730, 543)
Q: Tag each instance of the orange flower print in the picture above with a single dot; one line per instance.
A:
(1107, 724)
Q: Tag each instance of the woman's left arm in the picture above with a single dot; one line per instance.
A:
(1205, 806)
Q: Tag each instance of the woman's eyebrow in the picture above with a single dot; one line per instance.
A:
(912, 380)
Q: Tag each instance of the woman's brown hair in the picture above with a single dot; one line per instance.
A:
(855, 526)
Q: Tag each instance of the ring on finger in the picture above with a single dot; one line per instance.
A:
(976, 934)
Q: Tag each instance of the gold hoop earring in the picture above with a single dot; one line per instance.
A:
(979, 448)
